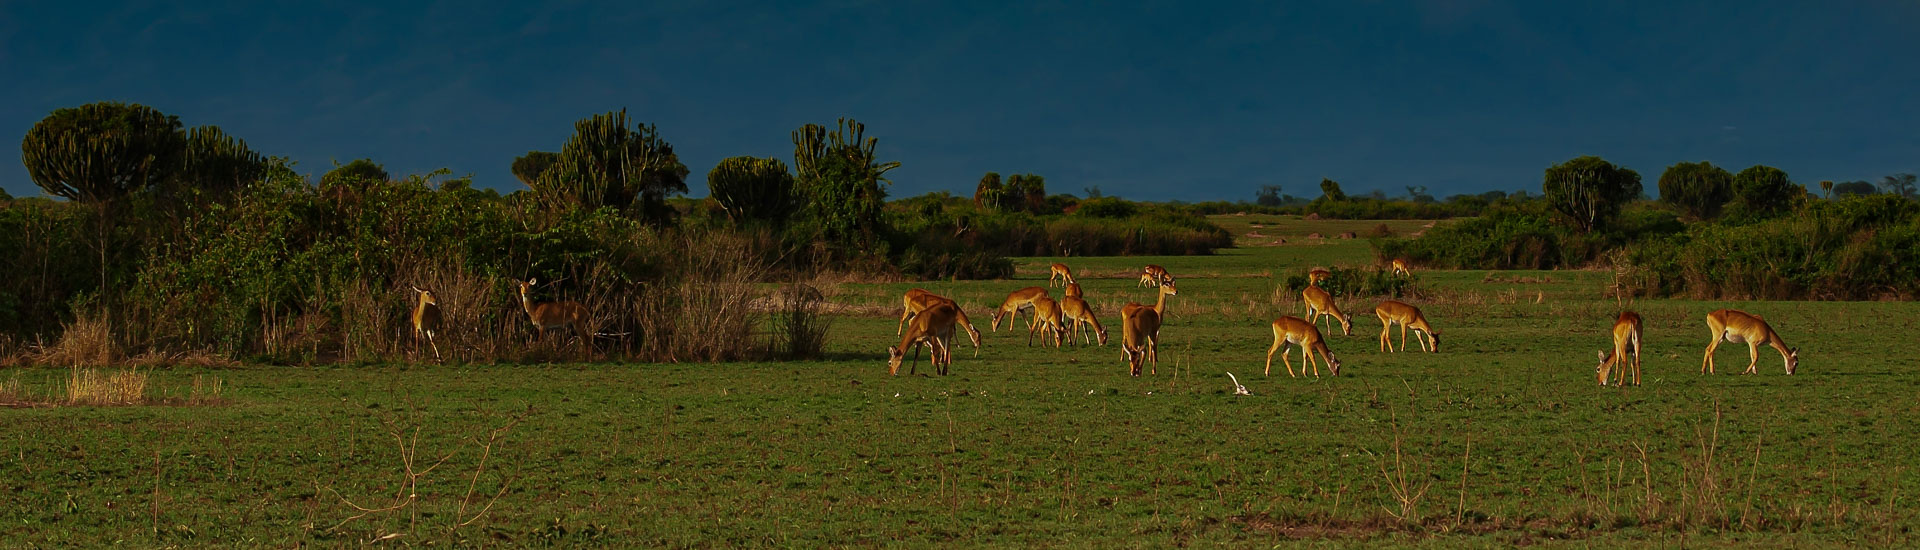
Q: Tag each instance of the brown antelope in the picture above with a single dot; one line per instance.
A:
(426, 319)
(547, 315)
(1155, 275)
(1626, 338)
(1400, 267)
(1019, 299)
(919, 299)
(1739, 326)
(1315, 277)
(1140, 330)
(1293, 331)
(1409, 317)
(1073, 291)
(1320, 304)
(1077, 311)
(1059, 272)
(933, 328)
(1046, 315)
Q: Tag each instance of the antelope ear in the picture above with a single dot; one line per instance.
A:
(533, 281)
(1603, 355)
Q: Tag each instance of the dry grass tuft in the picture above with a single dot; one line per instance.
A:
(101, 386)
(85, 341)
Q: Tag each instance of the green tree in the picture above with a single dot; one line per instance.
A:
(100, 153)
(1699, 189)
(751, 188)
(1026, 192)
(1899, 184)
(1268, 195)
(1765, 190)
(840, 177)
(1330, 190)
(1855, 188)
(1588, 191)
(1826, 189)
(356, 174)
(609, 164)
(216, 165)
(987, 193)
(528, 168)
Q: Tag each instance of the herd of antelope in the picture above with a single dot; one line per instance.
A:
(563, 314)
(929, 320)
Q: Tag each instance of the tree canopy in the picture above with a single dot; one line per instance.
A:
(1699, 189)
(1765, 190)
(749, 188)
(102, 151)
(1588, 191)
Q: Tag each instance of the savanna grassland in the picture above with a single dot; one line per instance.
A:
(1501, 438)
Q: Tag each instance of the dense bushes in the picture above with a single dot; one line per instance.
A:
(1346, 281)
(939, 237)
(1853, 249)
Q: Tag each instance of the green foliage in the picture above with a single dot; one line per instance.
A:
(987, 193)
(1268, 195)
(1698, 188)
(1899, 184)
(1587, 192)
(1761, 191)
(1854, 188)
(1109, 207)
(839, 177)
(48, 264)
(751, 188)
(358, 174)
(1347, 282)
(102, 151)
(1849, 249)
(216, 165)
(529, 167)
(609, 164)
(1330, 190)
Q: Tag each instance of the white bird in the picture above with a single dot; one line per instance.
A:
(1237, 388)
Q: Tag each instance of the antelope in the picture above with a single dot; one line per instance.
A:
(1626, 335)
(1317, 275)
(919, 299)
(1155, 276)
(1292, 331)
(933, 327)
(1046, 314)
(1076, 310)
(1073, 291)
(1059, 271)
(1391, 312)
(426, 319)
(1319, 303)
(1016, 301)
(1739, 326)
(1400, 267)
(1140, 330)
(546, 315)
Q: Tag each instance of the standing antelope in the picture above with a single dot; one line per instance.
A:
(1320, 304)
(1155, 275)
(1046, 315)
(1739, 326)
(1317, 275)
(933, 328)
(558, 314)
(1059, 271)
(426, 319)
(1626, 335)
(1073, 291)
(1391, 312)
(1292, 331)
(1140, 330)
(1400, 267)
(1076, 310)
(1019, 299)
(919, 299)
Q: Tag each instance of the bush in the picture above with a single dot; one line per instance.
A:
(1370, 281)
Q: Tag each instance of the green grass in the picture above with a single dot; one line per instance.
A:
(1038, 447)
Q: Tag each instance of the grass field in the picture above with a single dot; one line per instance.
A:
(1502, 438)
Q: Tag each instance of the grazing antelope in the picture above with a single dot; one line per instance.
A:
(547, 315)
(1077, 311)
(1016, 301)
(1626, 336)
(1046, 315)
(1320, 304)
(1400, 267)
(1073, 291)
(1293, 331)
(1058, 272)
(1317, 275)
(1739, 326)
(1140, 330)
(919, 299)
(1155, 276)
(426, 319)
(1409, 317)
(933, 328)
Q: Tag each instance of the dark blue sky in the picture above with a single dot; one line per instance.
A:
(1188, 100)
